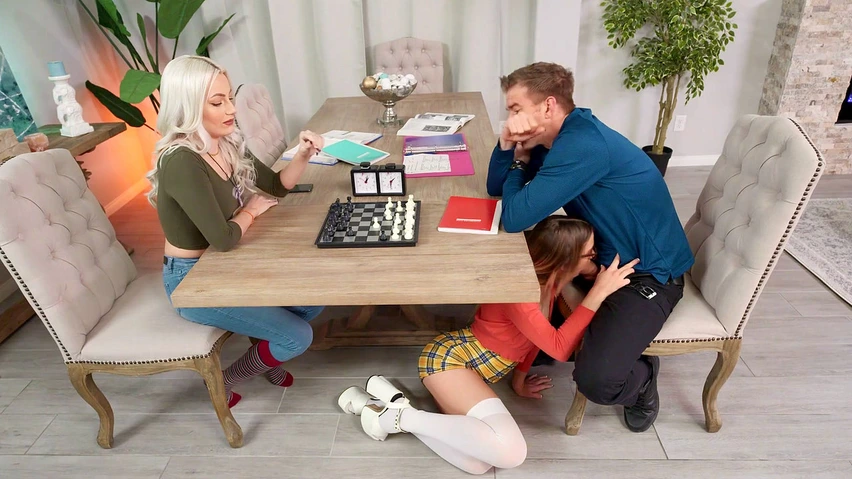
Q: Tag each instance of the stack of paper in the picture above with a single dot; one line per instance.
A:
(330, 138)
(422, 164)
(432, 124)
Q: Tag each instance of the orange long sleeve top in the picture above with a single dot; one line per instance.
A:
(517, 331)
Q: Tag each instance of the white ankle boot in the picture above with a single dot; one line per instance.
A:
(395, 401)
(370, 419)
(353, 400)
(381, 388)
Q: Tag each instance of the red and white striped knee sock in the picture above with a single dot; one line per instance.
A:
(280, 377)
(255, 361)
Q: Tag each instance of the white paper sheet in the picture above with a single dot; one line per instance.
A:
(423, 163)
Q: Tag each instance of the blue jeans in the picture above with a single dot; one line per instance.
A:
(286, 328)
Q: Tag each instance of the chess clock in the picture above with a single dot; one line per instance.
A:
(392, 180)
(372, 180)
(365, 180)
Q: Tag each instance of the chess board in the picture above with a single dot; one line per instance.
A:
(361, 217)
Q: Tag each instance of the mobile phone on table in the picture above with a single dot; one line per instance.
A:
(302, 188)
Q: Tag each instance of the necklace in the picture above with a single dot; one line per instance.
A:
(238, 190)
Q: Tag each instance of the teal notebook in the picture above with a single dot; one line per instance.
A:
(354, 153)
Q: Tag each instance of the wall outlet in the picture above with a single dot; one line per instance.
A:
(680, 123)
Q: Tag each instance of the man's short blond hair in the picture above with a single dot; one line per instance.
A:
(542, 80)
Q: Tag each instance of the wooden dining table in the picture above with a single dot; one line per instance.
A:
(277, 263)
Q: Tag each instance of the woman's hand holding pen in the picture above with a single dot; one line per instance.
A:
(310, 144)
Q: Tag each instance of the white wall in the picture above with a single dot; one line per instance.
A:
(729, 93)
(37, 31)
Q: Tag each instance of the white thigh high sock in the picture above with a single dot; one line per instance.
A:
(486, 436)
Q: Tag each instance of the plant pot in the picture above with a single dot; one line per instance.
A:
(661, 160)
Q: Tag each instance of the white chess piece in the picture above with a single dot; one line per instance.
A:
(376, 226)
(395, 236)
(409, 234)
(390, 204)
(388, 215)
(399, 207)
(397, 219)
(395, 230)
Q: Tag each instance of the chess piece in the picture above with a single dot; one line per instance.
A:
(388, 215)
(376, 226)
(409, 234)
(383, 236)
(395, 229)
(399, 208)
(390, 204)
(395, 236)
(350, 232)
(349, 206)
(69, 112)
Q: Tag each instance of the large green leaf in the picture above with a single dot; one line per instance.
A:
(175, 14)
(140, 22)
(205, 41)
(137, 85)
(118, 107)
(109, 17)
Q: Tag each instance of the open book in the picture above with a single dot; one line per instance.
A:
(433, 124)
(331, 137)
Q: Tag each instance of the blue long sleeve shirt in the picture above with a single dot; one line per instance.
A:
(596, 174)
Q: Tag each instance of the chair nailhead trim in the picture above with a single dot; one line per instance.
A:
(780, 247)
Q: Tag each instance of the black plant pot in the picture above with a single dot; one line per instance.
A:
(662, 160)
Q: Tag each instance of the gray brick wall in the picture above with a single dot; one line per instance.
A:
(809, 71)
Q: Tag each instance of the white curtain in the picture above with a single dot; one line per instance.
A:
(305, 51)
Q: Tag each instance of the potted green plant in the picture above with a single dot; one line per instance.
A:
(676, 41)
(141, 80)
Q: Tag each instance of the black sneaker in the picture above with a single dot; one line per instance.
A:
(640, 416)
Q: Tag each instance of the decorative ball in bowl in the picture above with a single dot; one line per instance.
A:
(387, 90)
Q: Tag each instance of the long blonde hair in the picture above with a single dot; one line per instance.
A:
(184, 88)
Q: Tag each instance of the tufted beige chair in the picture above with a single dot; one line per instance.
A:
(61, 249)
(747, 210)
(257, 120)
(422, 58)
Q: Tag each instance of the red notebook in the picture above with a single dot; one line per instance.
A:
(471, 215)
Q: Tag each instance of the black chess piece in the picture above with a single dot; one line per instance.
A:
(383, 236)
(350, 232)
(341, 226)
(349, 206)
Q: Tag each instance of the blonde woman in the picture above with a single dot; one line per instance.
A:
(476, 431)
(202, 175)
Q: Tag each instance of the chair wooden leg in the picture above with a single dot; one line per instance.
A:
(211, 370)
(82, 380)
(574, 418)
(726, 361)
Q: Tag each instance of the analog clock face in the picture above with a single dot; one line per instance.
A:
(365, 183)
(391, 182)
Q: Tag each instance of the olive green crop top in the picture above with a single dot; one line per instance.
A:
(195, 204)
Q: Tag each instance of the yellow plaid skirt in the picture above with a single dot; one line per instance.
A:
(461, 350)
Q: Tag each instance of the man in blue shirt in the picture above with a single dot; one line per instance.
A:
(554, 155)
